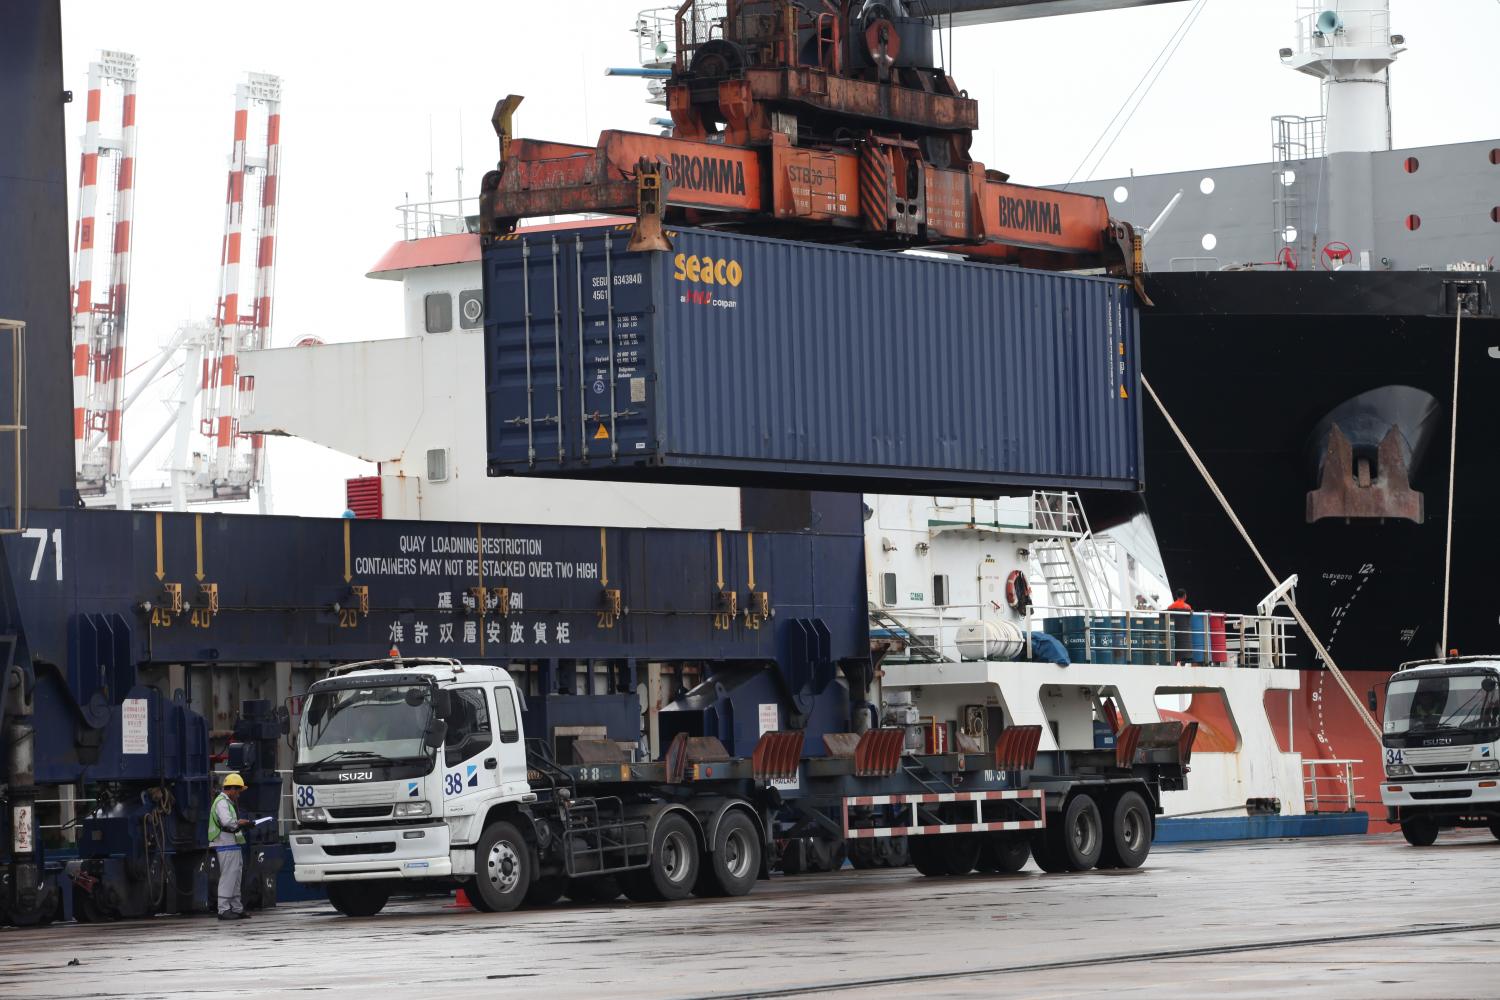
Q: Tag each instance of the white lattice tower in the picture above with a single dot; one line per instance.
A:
(99, 326)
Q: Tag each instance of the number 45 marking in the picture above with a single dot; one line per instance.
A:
(40, 534)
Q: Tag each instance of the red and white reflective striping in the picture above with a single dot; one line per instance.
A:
(915, 828)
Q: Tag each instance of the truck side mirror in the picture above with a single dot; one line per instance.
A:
(435, 734)
(283, 720)
(442, 704)
(1374, 702)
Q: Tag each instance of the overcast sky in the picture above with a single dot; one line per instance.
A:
(365, 85)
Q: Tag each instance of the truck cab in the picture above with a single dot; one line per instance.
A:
(1441, 736)
(399, 763)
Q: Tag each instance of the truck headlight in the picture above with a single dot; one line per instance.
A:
(1484, 766)
(312, 814)
(406, 810)
(1397, 770)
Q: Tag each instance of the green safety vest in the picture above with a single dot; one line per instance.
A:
(213, 820)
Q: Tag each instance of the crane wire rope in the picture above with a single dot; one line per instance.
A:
(1164, 56)
(1291, 603)
(1458, 332)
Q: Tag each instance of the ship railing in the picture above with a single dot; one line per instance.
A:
(1336, 793)
(1134, 637)
(443, 217)
(1359, 28)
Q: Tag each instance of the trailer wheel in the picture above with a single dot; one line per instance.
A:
(674, 864)
(594, 889)
(733, 866)
(502, 862)
(999, 853)
(1495, 828)
(927, 855)
(863, 854)
(546, 890)
(1073, 843)
(1419, 831)
(960, 853)
(1128, 839)
(359, 899)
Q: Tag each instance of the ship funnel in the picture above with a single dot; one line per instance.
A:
(1329, 23)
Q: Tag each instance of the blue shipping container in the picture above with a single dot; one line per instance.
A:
(744, 361)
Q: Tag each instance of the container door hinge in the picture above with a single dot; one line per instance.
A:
(609, 607)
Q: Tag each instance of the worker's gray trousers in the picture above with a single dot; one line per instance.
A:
(231, 869)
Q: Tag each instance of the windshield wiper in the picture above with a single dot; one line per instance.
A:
(353, 755)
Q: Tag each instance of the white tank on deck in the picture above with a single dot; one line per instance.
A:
(989, 640)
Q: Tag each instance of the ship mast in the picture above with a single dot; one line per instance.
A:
(1349, 46)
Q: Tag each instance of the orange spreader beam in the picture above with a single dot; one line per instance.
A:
(881, 193)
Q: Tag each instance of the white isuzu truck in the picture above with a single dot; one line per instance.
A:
(418, 773)
(1442, 746)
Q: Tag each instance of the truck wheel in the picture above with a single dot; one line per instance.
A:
(359, 899)
(1047, 853)
(1128, 839)
(927, 855)
(734, 865)
(595, 889)
(1082, 833)
(502, 862)
(998, 853)
(862, 854)
(960, 853)
(1495, 828)
(893, 853)
(546, 890)
(1419, 831)
(674, 864)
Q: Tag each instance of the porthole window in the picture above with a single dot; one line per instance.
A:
(1122, 194)
(1210, 241)
(1206, 185)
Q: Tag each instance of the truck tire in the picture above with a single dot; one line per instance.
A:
(999, 853)
(359, 899)
(1419, 831)
(546, 890)
(593, 889)
(674, 864)
(863, 855)
(1073, 843)
(502, 862)
(1127, 840)
(960, 853)
(1495, 828)
(1046, 852)
(927, 855)
(734, 864)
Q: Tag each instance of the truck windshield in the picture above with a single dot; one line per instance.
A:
(1453, 702)
(364, 724)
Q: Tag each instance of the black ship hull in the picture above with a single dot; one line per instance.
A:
(1258, 369)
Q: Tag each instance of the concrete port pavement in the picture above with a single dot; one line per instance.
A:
(1365, 917)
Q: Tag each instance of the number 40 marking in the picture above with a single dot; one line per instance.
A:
(40, 534)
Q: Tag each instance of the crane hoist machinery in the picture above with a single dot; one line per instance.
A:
(823, 120)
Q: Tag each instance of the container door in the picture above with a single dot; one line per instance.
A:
(568, 370)
(615, 387)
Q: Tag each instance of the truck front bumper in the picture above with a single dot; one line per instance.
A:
(336, 855)
(1452, 795)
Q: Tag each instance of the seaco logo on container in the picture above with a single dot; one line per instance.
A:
(717, 272)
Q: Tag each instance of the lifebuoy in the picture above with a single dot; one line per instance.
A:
(1018, 592)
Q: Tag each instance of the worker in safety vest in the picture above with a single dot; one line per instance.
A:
(1180, 615)
(224, 836)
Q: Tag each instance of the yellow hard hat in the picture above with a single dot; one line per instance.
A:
(233, 780)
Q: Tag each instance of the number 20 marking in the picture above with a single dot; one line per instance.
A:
(40, 534)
